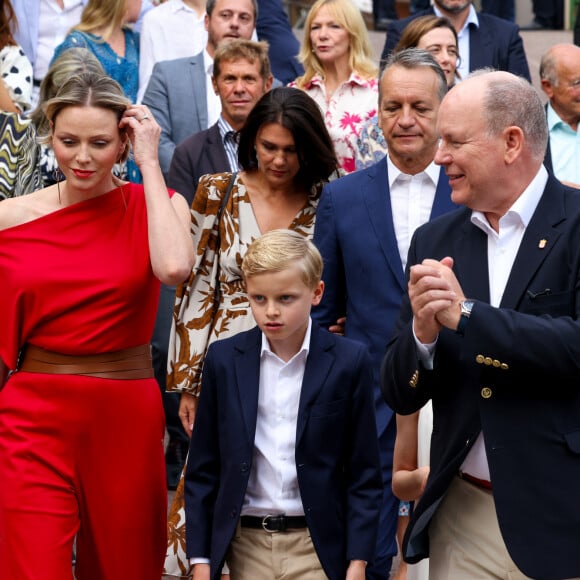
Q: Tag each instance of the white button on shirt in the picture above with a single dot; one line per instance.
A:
(273, 482)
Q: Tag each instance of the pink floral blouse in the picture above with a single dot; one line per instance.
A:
(345, 112)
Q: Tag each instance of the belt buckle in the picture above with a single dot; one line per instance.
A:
(280, 518)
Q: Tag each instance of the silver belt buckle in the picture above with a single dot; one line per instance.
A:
(265, 524)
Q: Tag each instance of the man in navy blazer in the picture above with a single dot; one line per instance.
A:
(490, 41)
(363, 226)
(241, 76)
(292, 389)
(178, 89)
(490, 333)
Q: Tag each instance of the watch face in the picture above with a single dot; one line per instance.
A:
(466, 307)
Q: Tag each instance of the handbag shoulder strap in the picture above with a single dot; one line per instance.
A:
(225, 200)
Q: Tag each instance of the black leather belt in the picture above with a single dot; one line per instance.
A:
(274, 523)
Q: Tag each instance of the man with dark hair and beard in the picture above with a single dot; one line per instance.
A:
(484, 40)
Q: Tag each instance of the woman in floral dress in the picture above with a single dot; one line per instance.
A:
(340, 74)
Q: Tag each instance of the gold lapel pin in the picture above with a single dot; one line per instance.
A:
(542, 244)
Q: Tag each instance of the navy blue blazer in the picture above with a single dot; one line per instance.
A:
(496, 43)
(363, 273)
(515, 373)
(197, 155)
(336, 450)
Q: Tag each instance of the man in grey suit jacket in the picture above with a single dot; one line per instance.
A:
(241, 75)
(179, 93)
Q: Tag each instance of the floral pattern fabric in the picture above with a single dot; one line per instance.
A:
(371, 144)
(198, 321)
(345, 112)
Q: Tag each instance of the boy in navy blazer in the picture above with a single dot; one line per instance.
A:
(284, 469)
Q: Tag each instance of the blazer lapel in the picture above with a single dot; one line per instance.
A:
(537, 243)
(198, 80)
(247, 370)
(377, 198)
(470, 261)
(315, 374)
(480, 48)
(215, 150)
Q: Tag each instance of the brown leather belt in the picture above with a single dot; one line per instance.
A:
(129, 363)
(483, 483)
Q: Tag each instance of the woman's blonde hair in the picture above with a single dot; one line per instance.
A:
(89, 89)
(278, 250)
(70, 62)
(103, 15)
(347, 15)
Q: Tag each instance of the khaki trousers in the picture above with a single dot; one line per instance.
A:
(465, 540)
(260, 555)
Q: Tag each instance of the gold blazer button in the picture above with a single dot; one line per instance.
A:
(486, 392)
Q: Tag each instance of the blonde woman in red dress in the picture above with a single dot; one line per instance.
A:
(81, 419)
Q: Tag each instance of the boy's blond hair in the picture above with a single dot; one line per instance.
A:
(278, 250)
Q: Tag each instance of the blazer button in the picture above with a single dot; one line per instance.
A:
(244, 467)
(487, 361)
(479, 359)
(504, 367)
(486, 392)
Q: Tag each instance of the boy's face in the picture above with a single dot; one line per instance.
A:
(281, 304)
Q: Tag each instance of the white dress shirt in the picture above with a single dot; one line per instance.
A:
(273, 483)
(54, 23)
(411, 202)
(169, 31)
(502, 248)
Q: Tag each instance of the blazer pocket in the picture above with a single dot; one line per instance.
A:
(339, 407)
(546, 302)
(573, 441)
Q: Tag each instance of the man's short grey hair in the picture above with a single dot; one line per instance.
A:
(210, 5)
(416, 58)
(548, 69)
(513, 101)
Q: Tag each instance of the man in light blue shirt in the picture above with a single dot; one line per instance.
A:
(560, 76)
